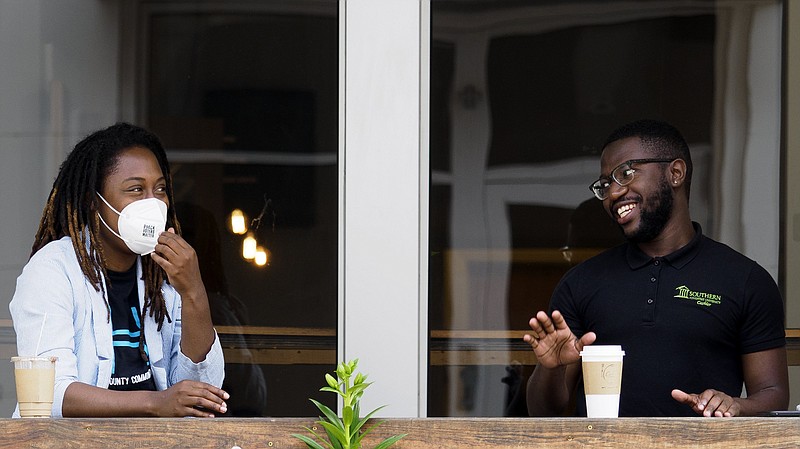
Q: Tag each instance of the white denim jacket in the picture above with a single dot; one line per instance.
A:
(52, 290)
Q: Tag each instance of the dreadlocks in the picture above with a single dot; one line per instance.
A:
(71, 210)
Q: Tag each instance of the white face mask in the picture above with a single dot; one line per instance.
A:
(140, 223)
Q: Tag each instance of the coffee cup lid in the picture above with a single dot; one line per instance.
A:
(21, 358)
(602, 350)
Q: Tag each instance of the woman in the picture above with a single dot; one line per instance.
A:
(118, 301)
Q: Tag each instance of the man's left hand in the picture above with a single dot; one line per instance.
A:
(709, 403)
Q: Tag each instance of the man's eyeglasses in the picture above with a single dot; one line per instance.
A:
(622, 175)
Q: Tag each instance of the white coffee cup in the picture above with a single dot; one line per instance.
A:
(602, 379)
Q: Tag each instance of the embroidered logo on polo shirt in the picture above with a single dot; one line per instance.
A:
(701, 298)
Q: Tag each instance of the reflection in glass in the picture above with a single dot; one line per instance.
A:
(238, 224)
(244, 380)
(522, 97)
(245, 97)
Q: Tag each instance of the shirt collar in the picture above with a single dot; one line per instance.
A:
(678, 259)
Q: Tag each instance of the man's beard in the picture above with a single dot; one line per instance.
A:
(654, 217)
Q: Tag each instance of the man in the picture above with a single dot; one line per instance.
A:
(696, 319)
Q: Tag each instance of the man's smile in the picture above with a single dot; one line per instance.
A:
(625, 209)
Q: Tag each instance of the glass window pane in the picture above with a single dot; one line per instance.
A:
(245, 97)
(522, 99)
(246, 102)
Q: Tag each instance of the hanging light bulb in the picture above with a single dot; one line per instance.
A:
(249, 247)
(261, 256)
(238, 222)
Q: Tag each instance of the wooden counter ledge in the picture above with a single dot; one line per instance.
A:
(435, 433)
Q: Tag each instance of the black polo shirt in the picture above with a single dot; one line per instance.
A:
(683, 320)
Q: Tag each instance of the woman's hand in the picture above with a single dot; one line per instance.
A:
(179, 261)
(191, 398)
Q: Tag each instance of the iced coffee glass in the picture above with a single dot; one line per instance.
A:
(35, 378)
(602, 379)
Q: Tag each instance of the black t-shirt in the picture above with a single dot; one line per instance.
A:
(683, 320)
(130, 371)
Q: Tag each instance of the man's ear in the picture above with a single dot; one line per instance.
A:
(677, 172)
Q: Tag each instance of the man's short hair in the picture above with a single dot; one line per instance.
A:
(660, 139)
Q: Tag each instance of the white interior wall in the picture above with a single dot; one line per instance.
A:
(59, 81)
(20, 138)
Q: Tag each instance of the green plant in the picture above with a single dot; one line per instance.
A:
(345, 432)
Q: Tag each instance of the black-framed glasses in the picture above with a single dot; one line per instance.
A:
(622, 175)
